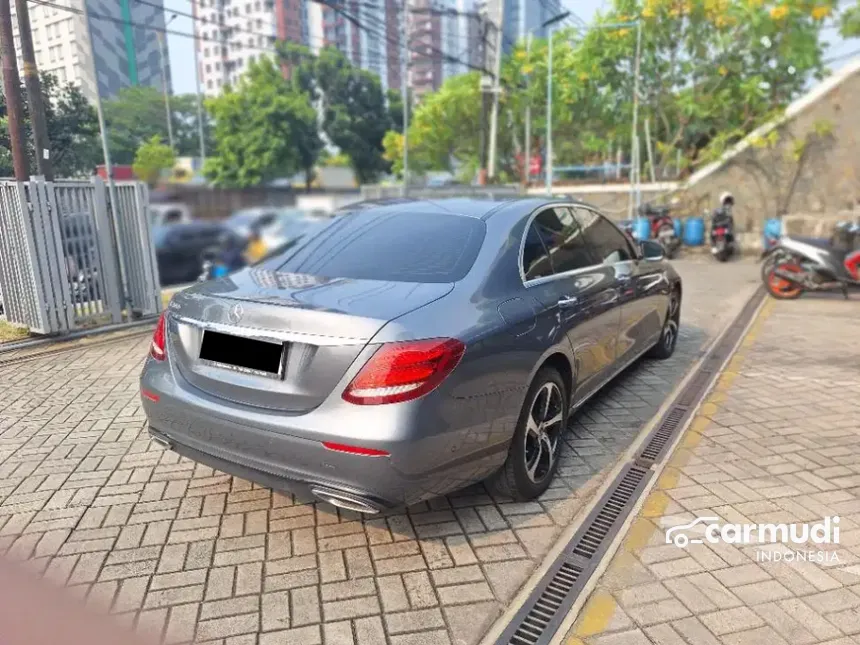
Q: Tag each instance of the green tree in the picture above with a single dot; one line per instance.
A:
(137, 114)
(849, 22)
(265, 129)
(355, 117)
(152, 158)
(72, 130)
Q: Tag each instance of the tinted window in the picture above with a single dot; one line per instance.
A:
(266, 220)
(536, 262)
(563, 237)
(400, 247)
(603, 237)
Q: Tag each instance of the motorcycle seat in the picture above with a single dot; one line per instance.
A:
(817, 242)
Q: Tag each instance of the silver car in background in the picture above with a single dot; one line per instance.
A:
(405, 350)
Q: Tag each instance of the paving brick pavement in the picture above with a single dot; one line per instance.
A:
(778, 441)
(189, 553)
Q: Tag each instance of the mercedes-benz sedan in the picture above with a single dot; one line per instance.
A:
(405, 350)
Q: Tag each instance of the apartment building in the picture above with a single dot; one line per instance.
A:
(231, 35)
(125, 44)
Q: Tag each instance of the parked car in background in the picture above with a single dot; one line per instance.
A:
(182, 249)
(403, 351)
(170, 213)
(80, 246)
(242, 222)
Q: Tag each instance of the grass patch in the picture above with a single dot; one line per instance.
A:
(9, 332)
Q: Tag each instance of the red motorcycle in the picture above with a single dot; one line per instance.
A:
(662, 227)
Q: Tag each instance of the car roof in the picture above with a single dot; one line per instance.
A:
(477, 207)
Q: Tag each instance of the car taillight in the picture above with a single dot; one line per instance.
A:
(158, 347)
(404, 371)
(720, 231)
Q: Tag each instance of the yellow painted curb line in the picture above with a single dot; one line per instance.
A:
(596, 616)
(600, 608)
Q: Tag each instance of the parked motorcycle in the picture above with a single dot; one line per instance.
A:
(662, 227)
(722, 237)
(798, 264)
(223, 259)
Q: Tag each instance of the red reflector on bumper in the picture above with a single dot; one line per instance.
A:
(152, 396)
(355, 450)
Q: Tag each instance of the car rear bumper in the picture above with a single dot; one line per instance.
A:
(429, 455)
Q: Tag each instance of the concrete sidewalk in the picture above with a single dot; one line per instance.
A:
(778, 441)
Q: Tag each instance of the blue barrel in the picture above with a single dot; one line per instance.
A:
(772, 230)
(641, 228)
(678, 227)
(694, 231)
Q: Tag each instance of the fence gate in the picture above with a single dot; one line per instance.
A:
(71, 259)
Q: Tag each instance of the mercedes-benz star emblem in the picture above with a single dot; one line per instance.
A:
(235, 314)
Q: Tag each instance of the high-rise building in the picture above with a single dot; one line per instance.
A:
(524, 16)
(125, 44)
(361, 30)
(234, 33)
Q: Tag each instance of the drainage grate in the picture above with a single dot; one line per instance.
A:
(540, 617)
(661, 437)
(546, 608)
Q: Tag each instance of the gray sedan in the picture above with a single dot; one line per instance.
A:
(409, 349)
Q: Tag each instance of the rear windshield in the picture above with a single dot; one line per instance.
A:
(398, 247)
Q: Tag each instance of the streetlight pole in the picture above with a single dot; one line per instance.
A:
(549, 171)
(160, 36)
(548, 165)
(114, 201)
(634, 142)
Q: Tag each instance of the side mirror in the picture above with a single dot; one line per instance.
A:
(652, 251)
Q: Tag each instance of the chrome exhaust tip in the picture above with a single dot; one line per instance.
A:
(346, 501)
(161, 441)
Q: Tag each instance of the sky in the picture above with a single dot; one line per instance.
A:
(182, 51)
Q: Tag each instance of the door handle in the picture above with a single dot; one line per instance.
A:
(567, 302)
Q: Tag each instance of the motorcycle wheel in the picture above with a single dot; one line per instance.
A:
(780, 288)
(723, 254)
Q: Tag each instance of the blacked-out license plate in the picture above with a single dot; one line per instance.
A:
(242, 354)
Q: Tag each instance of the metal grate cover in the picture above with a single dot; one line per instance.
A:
(547, 606)
(541, 615)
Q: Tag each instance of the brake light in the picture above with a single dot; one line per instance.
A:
(404, 371)
(158, 347)
(720, 231)
(151, 396)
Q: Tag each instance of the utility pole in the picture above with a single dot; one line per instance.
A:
(12, 90)
(548, 169)
(497, 88)
(404, 89)
(41, 143)
(650, 151)
(200, 127)
(528, 139)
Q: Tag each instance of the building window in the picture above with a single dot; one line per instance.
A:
(209, 83)
(251, 41)
(217, 66)
(208, 68)
(251, 59)
(259, 22)
(260, 40)
(257, 5)
(206, 52)
(248, 8)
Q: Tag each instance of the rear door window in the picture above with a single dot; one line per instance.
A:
(606, 241)
(398, 247)
(563, 237)
(536, 262)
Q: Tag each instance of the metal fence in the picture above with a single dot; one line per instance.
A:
(70, 258)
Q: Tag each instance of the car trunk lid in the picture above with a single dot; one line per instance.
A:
(311, 329)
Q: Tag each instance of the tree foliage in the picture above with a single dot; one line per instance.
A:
(138, 113)
(711, 72)
(152, 158)
(265, 129)
(72, 130)
(355, 116)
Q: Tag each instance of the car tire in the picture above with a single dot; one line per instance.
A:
(665, 347)
(534, 451)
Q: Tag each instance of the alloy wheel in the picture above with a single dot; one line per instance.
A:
(670, 329)
(543, 429)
